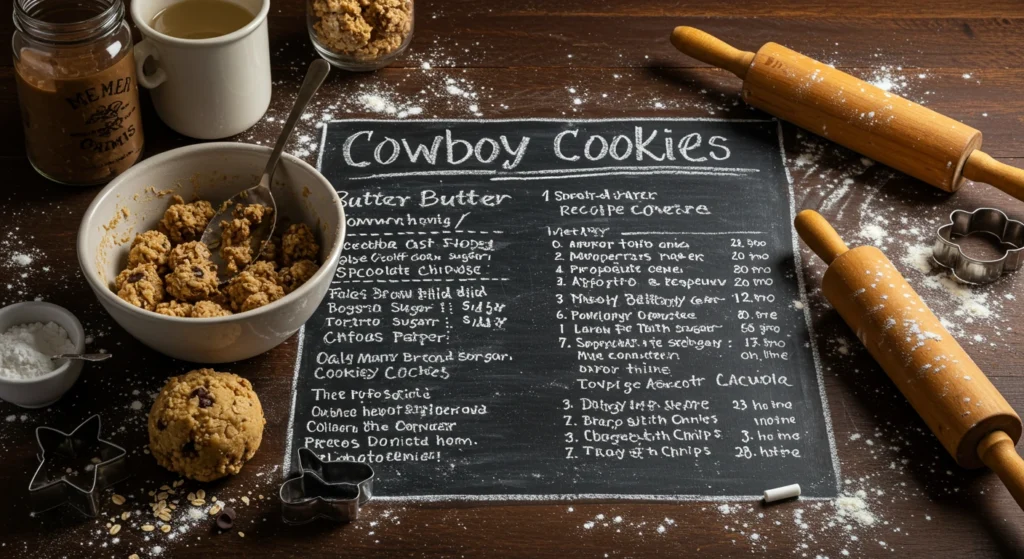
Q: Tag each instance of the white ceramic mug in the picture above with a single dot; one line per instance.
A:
(205, 88)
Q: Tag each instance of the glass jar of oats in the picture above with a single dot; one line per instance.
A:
(79, 100)
(360, 35)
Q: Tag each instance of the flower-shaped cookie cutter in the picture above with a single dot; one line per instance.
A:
(991, 221)
(109, 466)
(323, 489)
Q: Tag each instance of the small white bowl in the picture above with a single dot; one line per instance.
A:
(44, 390)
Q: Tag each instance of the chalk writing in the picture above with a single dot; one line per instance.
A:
(541, 309)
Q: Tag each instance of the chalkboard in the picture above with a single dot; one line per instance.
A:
(547, 309)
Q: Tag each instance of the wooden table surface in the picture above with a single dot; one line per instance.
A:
(536, 59)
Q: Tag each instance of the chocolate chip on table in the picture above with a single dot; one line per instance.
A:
(226, 518)
(205, 400)
(136, 277)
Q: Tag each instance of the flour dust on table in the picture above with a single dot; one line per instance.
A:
(542, 309)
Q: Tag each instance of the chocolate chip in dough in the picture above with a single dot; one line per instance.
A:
(136, 277)
(205, 400)
(197, 271)
(226, 518)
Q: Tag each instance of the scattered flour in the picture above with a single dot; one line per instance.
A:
(855, 508)
(888, 78)
(874, 233)
(970, 303)
(21, 259)
(918, 257)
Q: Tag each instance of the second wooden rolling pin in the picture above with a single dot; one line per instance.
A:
(957, 401)
(849, 111)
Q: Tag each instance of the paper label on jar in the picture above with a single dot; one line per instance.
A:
(85, 128)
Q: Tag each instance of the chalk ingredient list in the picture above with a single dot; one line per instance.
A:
(539, 309)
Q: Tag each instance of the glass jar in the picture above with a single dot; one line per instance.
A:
(77, 89)
(360, 36)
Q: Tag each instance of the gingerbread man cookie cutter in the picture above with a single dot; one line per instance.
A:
(324, 489)
(109, 466)
(990, 221)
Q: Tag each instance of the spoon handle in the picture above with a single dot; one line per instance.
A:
(84, 356)
(315, 76)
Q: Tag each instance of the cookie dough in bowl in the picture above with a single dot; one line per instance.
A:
(205, 425)
(138, 249)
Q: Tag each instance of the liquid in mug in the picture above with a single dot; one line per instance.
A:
(201, 19)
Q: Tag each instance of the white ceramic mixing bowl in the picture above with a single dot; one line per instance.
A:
(135, 201)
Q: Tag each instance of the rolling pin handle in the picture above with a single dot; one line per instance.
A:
(997, 452)
(982, 167)
(707, 48)
(819, 235)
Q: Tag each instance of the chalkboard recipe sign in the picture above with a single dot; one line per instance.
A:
(565, 309)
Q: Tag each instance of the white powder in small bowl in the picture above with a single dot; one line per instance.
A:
(25, 349)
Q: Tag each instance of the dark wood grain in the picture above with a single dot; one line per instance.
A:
(518, 56)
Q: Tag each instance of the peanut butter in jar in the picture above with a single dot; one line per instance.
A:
(76, 85)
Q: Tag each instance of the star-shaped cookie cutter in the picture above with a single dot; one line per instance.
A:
(991, 221)
(112, 467)
(324, 489)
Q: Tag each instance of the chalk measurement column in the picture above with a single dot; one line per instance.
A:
(772, 432)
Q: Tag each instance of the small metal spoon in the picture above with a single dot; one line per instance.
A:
(84, 356)
(260, 194)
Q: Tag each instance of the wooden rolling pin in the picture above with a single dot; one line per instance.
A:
(957, 401)
(883, 126)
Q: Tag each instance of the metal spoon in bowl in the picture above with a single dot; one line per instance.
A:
(260, 194)
(83, 356)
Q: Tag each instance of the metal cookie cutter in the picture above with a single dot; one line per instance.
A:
(1010, 233)
(83, 442)
(331, 490)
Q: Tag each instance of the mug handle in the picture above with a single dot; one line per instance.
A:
(144, 50)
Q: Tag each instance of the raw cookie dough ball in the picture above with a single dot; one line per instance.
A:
(185, 222)
(205, 425)
(292, 277)
(174, 308)
(193, 282)
(140, 286)
(248, 291)
(264, 269)
(298, 243)
(234, 244)
(271, 250)
(236, 234)
(151, 247)
(208, 309)
(236, 258)
(255, 213)
(192, 252)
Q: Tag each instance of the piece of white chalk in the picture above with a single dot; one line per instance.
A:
(780, 493)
